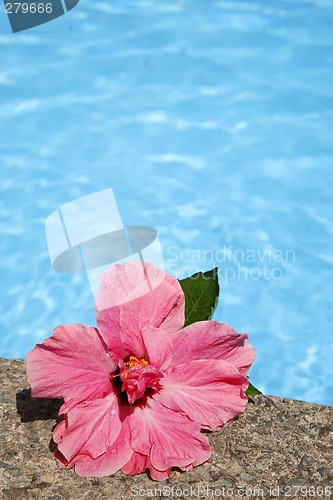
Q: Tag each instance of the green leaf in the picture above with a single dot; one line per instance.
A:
(201, 292)
(252, 391)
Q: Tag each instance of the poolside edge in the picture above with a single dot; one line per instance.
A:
(275, 447)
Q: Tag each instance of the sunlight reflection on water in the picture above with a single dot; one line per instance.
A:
(213, 125)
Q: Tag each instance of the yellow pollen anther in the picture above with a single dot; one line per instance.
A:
(134, 362)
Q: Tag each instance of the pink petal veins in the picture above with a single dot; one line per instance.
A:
(73, 364)
(91, 428)
(210, 392)
(150, 298)
(212, 340)
(169, 438)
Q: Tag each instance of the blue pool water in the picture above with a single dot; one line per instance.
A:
(212, 122)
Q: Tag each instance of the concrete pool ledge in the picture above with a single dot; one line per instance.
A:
(278, 448)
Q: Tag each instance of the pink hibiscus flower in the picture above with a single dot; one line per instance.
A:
(138, 389)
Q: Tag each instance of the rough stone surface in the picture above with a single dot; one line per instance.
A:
(278, 448)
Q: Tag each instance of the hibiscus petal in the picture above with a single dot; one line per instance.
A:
(115, 457)
(158, 475)
(140, 463)
(158, 346)
(72, 364)
(211, 393)
(213, 340)
(131, 279)
(91, 428)
(169, 438)
(108, 321)
(152, 309)
(131, 297)
(59, 431)
(121, 280)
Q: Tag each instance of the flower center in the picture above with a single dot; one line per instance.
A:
(137, 375)
(134, 364)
